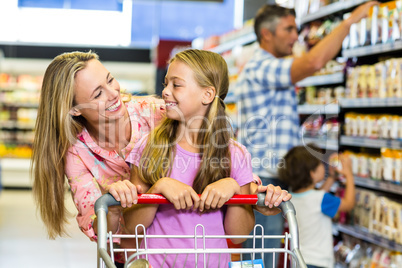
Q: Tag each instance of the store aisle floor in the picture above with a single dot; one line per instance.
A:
(23, 239)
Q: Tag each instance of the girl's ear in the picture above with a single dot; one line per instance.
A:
(74, 112)
(208, 95)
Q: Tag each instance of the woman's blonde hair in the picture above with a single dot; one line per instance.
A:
(55, 131)
(210, 70)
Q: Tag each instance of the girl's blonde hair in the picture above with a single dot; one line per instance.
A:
(55, 131)
(210, 70)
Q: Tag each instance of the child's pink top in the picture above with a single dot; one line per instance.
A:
(169, 221)
(89, 167)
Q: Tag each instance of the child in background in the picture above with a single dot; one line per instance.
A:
(192, 152)
(316, 207)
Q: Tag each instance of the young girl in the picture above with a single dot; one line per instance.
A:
(315, 207)
(192, 152)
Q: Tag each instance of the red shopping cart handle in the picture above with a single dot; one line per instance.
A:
(237, 199)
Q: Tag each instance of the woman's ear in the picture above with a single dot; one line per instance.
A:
(208, 95)
(74, 112)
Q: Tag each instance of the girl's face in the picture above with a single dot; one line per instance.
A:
(318, 174)
(97, 94)
(182, 95)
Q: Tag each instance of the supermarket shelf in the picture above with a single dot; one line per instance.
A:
(323, 143)
(388, 187)
(371, 143)
(9, 124)
(331, 9)
(370, 102)
(319, 80)
(363, 234)
(372, 50)
(331, 108)
(240, 41)
(20, 105)
(15, 172)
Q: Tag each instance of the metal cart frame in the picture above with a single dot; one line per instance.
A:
(288, 212)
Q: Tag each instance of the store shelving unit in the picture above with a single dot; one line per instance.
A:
(240, 41)
(322, 143)
(332, 108)
(372, 50)
(321, 80)
(370, 143)
(377, 106)
(337, 7)
(383, 186)
(338, 109)
(365, 235)
(370, 102)
(18, 106)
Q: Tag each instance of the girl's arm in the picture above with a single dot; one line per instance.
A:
(181, 195)
(239, 219)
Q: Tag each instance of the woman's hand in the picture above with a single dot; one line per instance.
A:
(274, 196)
(216, 194)
(125, 192)
(181, 195)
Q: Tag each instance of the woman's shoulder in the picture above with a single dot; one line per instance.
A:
(145, 106)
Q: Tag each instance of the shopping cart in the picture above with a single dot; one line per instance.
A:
(137, 257)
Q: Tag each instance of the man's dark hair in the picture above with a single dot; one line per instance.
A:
(268, 17)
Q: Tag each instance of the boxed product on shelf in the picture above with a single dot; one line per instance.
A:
(346, 41)
(395, 15)
(364, 208)
(364, 31)
(381, 77)
(375, 167)
(376, 26)
(394, 82)
(398, 219)
(392, 165)
(384, 21)
(351, 82)
(392, 223)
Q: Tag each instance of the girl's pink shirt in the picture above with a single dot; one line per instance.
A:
(89, 168)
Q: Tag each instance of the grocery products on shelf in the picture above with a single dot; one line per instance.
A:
(375, 126)
(381, 80)
(19, 97)
(352, 252)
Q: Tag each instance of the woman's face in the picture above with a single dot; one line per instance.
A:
(97, 95)
(181, 93)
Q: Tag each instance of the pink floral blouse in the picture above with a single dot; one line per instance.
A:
(89, 168)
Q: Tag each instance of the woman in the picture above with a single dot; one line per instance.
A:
(84, 130)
